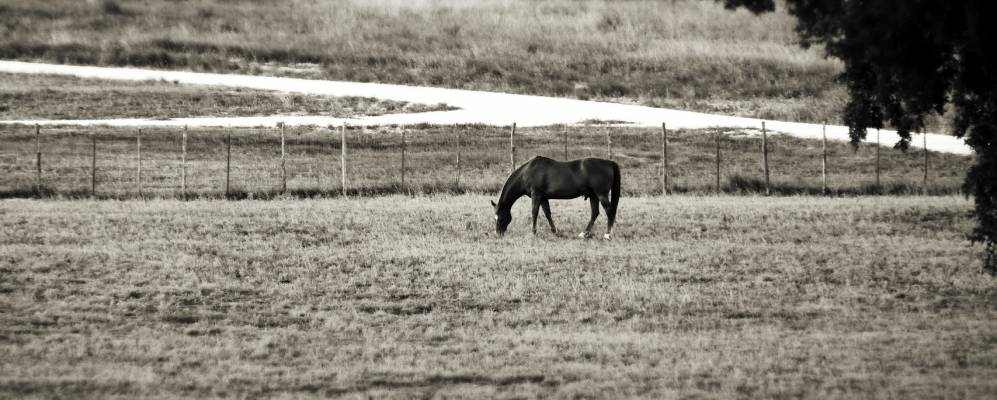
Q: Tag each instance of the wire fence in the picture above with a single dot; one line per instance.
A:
(311, 161)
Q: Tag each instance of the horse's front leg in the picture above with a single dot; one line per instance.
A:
(594, 202)
(536, 209)
(546, 207)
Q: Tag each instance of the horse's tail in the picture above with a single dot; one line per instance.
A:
(614, 198)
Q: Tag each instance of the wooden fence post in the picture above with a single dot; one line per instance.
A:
(823, 161)
(719, 134)
(342, 157)
(404, 144)
(38, 160)
(878, 187)
(93, 165)
(512, 148)
(924, 138)
(565, 142)
(765, 159)
(183, 163)
(283, 161)
(138, 150)
(664, 159)
(609, 143)
(457, 178)
(228, 159)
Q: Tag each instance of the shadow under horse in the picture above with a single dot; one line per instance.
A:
(543, 179)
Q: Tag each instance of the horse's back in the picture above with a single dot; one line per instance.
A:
(570, 179)
(583, 164)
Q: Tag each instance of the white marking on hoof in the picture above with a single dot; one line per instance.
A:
(585, 235)
(606, 236)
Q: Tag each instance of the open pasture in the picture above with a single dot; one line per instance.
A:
(868, 297)
(203, 278)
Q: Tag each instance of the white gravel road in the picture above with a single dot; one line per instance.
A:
(474, 107)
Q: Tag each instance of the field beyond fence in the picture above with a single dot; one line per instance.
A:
(113, 162)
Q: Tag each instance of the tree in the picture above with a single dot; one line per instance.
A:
(905, 59)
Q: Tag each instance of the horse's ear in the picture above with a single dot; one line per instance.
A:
(493, 204)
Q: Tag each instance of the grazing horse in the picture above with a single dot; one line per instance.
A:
(543, 179)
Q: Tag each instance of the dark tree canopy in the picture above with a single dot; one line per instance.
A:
(756, 6)
(905, 59)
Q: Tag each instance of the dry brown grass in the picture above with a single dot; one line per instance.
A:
(721, 297)
(64, 97)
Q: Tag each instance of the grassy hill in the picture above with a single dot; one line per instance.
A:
(686, 54)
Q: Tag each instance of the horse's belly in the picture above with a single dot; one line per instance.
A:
(564, 193)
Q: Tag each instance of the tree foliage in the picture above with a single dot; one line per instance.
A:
(756, 6)
(905, 59)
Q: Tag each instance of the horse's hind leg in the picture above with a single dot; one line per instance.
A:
(594, 202)
(610, 214)
(536, 209)
(546, 208)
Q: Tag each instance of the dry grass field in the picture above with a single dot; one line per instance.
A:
(688, 54)
(374, 161)
(717, 297)
(64, 97)
(403, 290)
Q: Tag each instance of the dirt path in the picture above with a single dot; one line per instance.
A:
(474, 107)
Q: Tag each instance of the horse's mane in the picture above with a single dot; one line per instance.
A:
(513, 179)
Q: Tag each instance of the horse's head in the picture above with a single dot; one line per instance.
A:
(502, 219)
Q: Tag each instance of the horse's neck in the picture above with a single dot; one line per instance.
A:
(511, 192)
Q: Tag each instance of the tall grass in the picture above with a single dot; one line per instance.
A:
(692, 54)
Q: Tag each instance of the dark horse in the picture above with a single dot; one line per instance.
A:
(543, 179)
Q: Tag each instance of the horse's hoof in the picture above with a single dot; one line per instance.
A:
(585, 235)
(606, 236)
